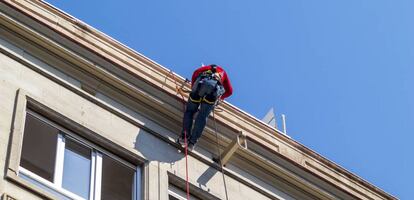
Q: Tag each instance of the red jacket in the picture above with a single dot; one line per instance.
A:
(225, 81)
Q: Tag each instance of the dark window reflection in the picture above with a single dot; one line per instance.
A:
(39, 147)
(117, 180)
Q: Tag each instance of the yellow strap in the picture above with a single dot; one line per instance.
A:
(207, 101)
(195, 101)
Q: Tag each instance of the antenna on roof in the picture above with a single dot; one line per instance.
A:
(270, 119)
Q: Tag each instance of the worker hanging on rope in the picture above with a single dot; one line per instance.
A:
(209, 84)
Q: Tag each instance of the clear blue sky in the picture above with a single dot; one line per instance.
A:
(342, 71)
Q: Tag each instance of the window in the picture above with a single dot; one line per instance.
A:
(175, 193)
(69, 167)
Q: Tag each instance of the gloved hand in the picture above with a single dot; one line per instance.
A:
(217, 76)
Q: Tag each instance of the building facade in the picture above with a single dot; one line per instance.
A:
(84, 117)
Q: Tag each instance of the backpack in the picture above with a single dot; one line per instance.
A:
(207, 84)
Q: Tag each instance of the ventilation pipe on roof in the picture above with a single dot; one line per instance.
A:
(284, 124)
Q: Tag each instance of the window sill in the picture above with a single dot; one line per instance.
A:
(48, 185)
(13, 177)
(37, 190)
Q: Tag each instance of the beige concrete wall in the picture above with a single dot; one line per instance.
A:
(161, 156)
(7, 96)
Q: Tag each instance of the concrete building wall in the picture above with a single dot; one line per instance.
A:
(161, 157)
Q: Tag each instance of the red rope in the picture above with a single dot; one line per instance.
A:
(186, 155)
(186, 166)
(186, 158)
(179, 91)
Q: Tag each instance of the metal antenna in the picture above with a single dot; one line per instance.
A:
(284, 124)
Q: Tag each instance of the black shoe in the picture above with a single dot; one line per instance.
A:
(181, 141)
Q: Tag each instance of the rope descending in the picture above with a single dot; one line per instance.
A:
(180, 90)
(219, 154)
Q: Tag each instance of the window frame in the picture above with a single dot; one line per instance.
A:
(178, 193)
(25, 104)
(177, 189)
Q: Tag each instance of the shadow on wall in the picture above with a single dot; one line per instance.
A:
(155, 149)
(206, 177)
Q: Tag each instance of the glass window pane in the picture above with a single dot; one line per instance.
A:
(117, 180)
(39, 147)
(172, 198)
(77, 168)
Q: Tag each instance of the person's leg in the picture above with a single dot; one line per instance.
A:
(190, 109)
(200, 122)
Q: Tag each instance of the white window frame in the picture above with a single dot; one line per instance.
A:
(60, 157)
(98, 178)
(96, 165)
